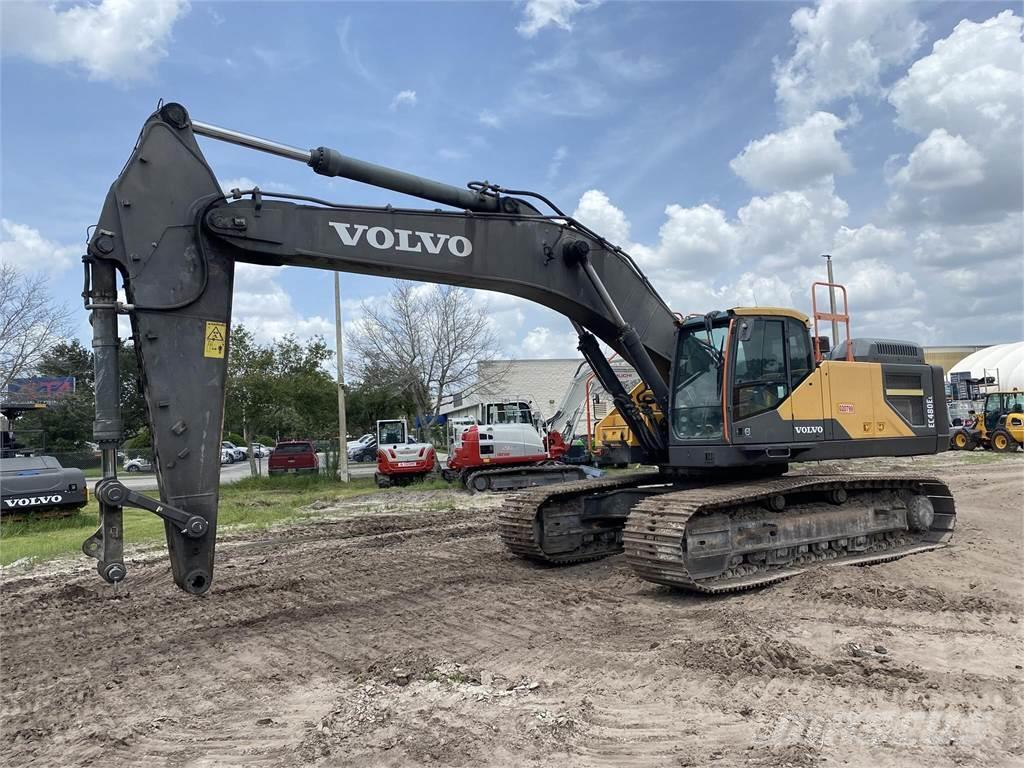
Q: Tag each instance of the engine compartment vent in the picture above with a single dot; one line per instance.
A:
(881, 351)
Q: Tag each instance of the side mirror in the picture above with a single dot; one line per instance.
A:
(746, 330)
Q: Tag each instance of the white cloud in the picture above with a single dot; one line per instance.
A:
(350, 52)
(283, 59)
(544, 343)
(691, 238)
(506, 313)
(970, 83)
(266, 309)
(841, 50)
(597, 212)
(244, 183)
(118, 40)
(922, 271)
(874, 284)
(966, 98)
(778, 239)
(25, 248)
(995, 245)
(578, 79)
(555, 166)
(959, 192)
(762, 290)
(781, 229)
(404, 98)
(629, 64)
(942, 162)
(542, 13)
(870, 243)
(789, 227)
(489, 118)
(797, 156)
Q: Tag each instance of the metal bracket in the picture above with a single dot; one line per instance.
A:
(112, 491)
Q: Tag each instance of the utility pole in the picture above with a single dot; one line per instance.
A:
(832, 300)
(342, 440)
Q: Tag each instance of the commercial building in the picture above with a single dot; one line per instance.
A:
(947, 357)
(998, 368)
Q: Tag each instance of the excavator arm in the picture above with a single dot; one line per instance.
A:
(174, 237)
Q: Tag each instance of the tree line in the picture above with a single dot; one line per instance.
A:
(408, 356)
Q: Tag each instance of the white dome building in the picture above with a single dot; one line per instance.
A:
(1004, 362)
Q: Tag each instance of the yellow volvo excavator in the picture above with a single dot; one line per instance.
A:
(735, 396)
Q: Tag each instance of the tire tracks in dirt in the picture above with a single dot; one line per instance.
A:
(401, 634)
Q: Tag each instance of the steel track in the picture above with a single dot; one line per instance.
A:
(519, 523)
(654, 536)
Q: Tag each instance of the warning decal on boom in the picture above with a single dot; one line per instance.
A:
(215, 333)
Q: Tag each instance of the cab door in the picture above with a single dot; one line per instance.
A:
(760, 409)
(807, 398)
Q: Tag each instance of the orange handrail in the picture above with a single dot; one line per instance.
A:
(843, 317)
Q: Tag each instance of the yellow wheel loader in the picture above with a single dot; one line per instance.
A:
(1000, 428)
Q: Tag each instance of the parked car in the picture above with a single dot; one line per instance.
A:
(258, 450)
(294, 457)
(363, 451)
(138, 464)
(362, 441)
(226, 457)
(237, 454)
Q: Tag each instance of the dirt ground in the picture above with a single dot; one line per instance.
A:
(401, 634)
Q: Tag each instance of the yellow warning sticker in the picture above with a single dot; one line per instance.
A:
(215, 339)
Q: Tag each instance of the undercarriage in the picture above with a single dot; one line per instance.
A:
(730, 536)
(512, 478)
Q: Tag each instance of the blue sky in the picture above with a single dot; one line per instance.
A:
(726, 145)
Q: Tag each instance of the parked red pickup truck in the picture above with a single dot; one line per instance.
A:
(294, 457)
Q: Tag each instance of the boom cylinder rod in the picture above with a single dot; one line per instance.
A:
(330, 162)
(252, 142)
(641, 360)
(649, 440)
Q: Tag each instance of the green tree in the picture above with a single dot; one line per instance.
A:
(281, 388)
(67, 423)
(250, 386)
(306, 393)
(373, 398)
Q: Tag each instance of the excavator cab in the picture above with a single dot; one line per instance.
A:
(748, 390)
(734, 371)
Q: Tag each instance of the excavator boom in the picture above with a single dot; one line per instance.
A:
(174, 237)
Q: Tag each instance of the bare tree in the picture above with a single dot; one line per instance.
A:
(425, 341)
(30, 323)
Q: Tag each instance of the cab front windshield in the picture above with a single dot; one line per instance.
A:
(509, 413)
(391, 432)
(697, 387)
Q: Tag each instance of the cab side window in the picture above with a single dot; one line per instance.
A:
(760, 379)
(801, 356)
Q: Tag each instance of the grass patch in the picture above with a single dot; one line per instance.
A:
(253, 502)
